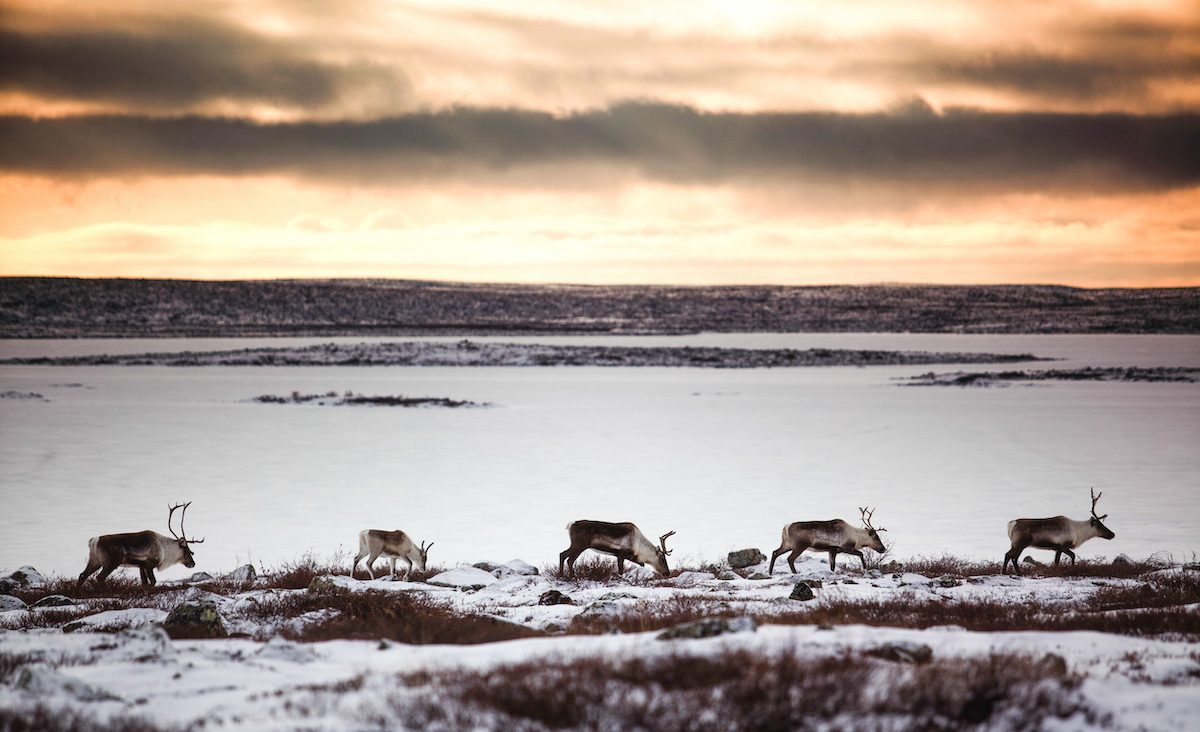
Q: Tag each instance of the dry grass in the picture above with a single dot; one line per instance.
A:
(742, 690)
(41, 718)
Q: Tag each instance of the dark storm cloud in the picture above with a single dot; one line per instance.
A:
(958, 150)
(173, 63)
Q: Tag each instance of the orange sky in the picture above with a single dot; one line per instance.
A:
(671, 142)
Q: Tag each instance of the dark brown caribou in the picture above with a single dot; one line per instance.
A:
(146, 550)
(1058, 533)
(624, 541)
(829, 536)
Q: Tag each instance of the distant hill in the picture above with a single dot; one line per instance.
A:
(43, 307)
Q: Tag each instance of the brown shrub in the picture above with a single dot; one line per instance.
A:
(742, 690)
(41, 718)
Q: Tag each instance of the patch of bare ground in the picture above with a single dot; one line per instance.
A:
(743, 690)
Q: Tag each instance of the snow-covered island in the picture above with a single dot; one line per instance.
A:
(927, 644)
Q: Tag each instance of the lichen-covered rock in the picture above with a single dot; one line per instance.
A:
(745, 558)
(328, 582)
(600, 616)
(199, 619)
(801, 592)
(945, 581)
(726, 576)
(903, 652)
(54, 601)
(709, 627)
(554, 597)
(8, 602)
(758, 576)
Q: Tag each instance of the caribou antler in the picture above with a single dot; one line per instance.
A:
(662, 541)
(867, 513)
(426, 548)
(182, 535)
(1094, 499)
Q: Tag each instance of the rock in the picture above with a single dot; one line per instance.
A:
(114, 620)
(709, 627)
(463, 578)
(1034, 562)
(329, 582)
(25, 577)
(745, 558)
(1122, 559)
(44, 682)
(825, 626)
(816, 584)
(1053, 664)
(727, 576)
(801, 592)
(516, 566)
(759, 576)
(8, 602)
(199, 619)
(243, 573)
(199, 577)
(554, 597)
(608, 596)
(598, 616)
(7, 586)
(278, 649)
(903, 652)
(945, 581)
(54, 601)
(873, 574)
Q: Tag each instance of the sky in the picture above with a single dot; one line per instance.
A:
(674, 142)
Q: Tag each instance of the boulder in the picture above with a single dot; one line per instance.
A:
(801, 592)
(8, 602)
(327, 582)
(903, 652)
(554, 597)
(759, 576)
(745, 558)
(199, 577)
(726, 576)
(199, 619)
(115, 620)
(1122, 559)
(54, 601)
(600, 616)
(516, 566)
(243, 573)
(709, 627)
(463, 578)
(25, 577)
(945, 581)
(1034, 562)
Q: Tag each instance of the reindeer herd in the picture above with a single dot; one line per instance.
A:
(149, 551)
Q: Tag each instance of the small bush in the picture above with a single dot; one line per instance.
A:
(41, 718)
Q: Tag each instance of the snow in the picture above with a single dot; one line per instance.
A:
(243, 684)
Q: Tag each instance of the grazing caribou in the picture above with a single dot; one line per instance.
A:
(1059, 533)
(828, 536)
(624, 541)
(145, 550)
(391, 545)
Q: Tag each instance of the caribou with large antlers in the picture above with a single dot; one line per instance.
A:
(624, 541)
(146, 550)
(391, 545)
(829, 536)
(1059, 533)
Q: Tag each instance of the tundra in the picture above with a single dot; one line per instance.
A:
(829, 536)
(1058, 533)
(624, 541)
(391, 545)
(145, 550)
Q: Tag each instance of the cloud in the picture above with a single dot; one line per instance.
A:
(958, 150)
(155, 64)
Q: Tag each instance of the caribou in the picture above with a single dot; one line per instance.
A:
(146, 550)
(829, 536)
(624, 541)
(391, 545)
(1058, 533)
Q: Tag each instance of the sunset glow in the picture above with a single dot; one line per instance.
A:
(614, 142)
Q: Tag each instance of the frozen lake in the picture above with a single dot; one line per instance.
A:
(723, 457)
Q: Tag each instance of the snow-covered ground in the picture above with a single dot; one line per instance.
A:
(248, 683)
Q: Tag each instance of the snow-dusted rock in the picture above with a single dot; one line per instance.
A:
(709, 627)
(24, 577)
(9, 603)
(464, 578)
(903, 651)
(1122, 559)
(327, 582)
(242, 574)
(43, 682)
(688, 579)
(199, 577)
(278, 649)
(515, 566)
(554, 597)
(111, 620)
(802, 592)
(54, 601)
